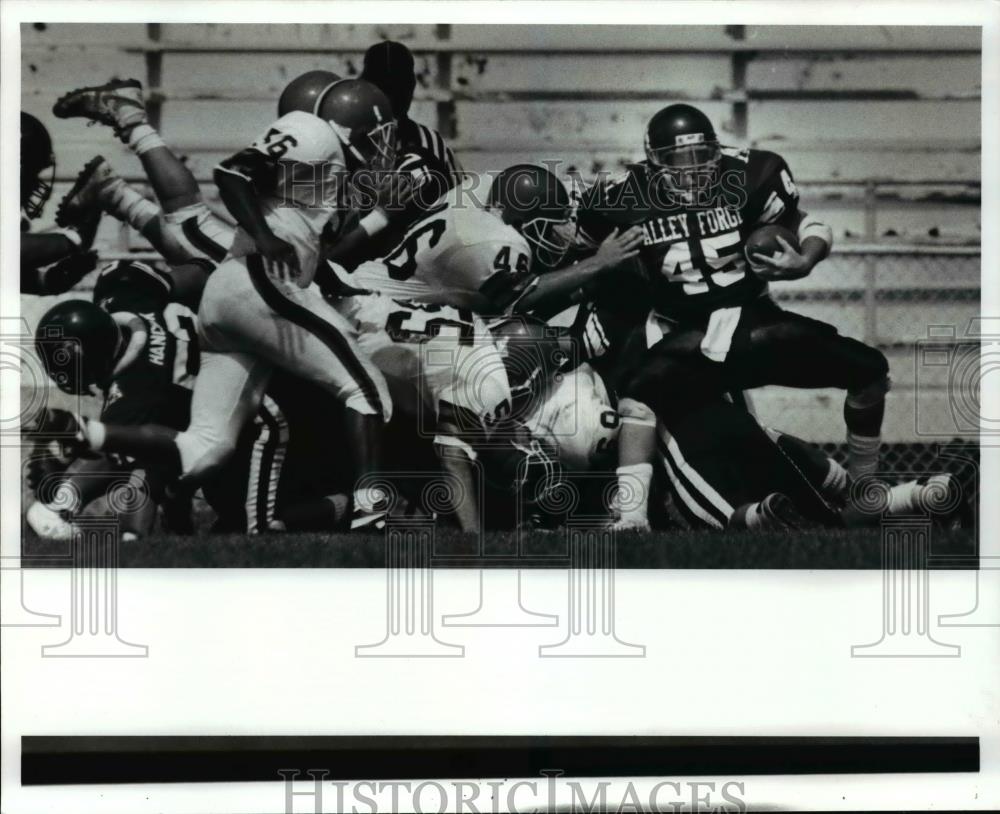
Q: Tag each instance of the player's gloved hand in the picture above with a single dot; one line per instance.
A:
(788, 264)
(62, 276)
(280, 256)
(619, 246)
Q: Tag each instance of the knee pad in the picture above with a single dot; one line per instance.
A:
(636, 412)
(200, 453)
(870, 394)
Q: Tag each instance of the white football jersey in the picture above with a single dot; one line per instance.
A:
(301, 158)
(457, 248)
(576, 418)
(432, 356)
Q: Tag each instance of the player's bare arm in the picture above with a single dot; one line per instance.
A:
(567, 284)
(387, 199)
(791, 263)
(240, 197)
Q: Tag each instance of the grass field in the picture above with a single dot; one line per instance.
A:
(822, 549)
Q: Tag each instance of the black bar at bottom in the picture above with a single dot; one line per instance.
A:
(54, 760)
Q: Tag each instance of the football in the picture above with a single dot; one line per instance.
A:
(764, 241)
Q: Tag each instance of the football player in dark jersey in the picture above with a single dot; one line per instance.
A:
(124, 348)
(713, 326)
(138, 350)
(55, 260)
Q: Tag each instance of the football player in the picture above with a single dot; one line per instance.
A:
(260, 310)
(55, 260)
(191, 238)
(484, 258)
(743, 475)
(714, 327)
(137, 350)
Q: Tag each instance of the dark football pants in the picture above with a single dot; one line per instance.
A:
(719, 458)
(770, 346)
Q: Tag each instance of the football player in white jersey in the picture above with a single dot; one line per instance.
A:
(463, 254)
(260, 309)
(189, 236)
(458, 259)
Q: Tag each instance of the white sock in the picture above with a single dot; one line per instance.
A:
(633, 491)
(904, 498)
(862, 454)
(142, 138)
(127, 204)
(367, 498)
(835, 482)
(96, 434)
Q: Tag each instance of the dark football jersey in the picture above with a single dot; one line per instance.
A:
(423, 141)
(154, 385)
(132, 286)
(692, 256)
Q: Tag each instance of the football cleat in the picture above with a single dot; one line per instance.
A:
(47, 523)
(631, 524)
(373, 520)
(941, 498)
(778, 511)
(118, 104)
(87, 193)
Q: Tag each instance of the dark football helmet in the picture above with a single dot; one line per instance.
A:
(362, 117)
(682, 147)
(78, 344)
(36, 158)
(304, 91)
(535, 202)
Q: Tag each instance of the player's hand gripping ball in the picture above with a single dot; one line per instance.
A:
(773, 253)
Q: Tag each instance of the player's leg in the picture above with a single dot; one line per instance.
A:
(725, 471)
(226, 394)
(307, 337)
(99, 187)
(267, 457)
(187, 227)
(665, 381)
(927, 494)
(787, 349)
(120, 105)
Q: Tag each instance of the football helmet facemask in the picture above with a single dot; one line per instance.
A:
(683, 150)
(36, 158)
(535, 202)
(361, 115)
(78, 344)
